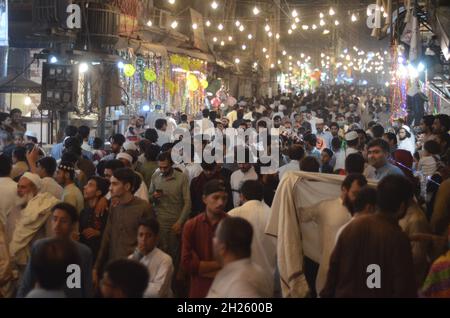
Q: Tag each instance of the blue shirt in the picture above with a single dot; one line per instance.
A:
(57, 151)
(315, 153)
(86, 290)
(387, 170)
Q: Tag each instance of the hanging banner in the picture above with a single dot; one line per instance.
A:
(198, 32)
(3, 22)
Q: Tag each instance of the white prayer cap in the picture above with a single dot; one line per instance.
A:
(129, 145)
(352, 135)
(124, 155)
(268, 170)
(30, 133)
(319, 121)
(34, 178)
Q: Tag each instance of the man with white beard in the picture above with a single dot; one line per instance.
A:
(28, 221)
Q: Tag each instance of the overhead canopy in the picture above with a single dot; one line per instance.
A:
(442, 29)
(19, 85)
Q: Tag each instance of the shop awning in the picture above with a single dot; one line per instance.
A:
(19, 85)
(194, 54)
(139, 46)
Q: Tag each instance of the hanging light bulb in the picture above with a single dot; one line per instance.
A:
(326, 31)
(214, 39)
(195, 26)
(331, 12)
(172, 1)
(244, 47)
(270, 34)
(237, 61)
(214, 5)
(267, 56)
(297, 20)
(279, 62)
(302, 55)
(250, 36)
(238, 23)
(321, 15)
(220, 27)
(27, 101)
(277, 36)
(294, 26)
(294, 13)
(83, 68)
(267, 28)
(305, 27)
(314, 26)
(149, 23)
(174, 25)
(336, 22)
(264, 50)
(241, 28)
(230, 38)
(322, 22)
(353, 18)
(208, 23)
(290, 31)
(256, 10)
(284, 53)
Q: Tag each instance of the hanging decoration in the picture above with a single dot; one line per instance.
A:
(399, 85)
(150, 75)
(129, 70)
(192, 83)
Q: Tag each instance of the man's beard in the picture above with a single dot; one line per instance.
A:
(348, 204)
(402, 138)
(23, 201)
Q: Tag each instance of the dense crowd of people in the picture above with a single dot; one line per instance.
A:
(140, 224)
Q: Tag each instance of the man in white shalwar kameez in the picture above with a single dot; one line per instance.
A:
(257, 213)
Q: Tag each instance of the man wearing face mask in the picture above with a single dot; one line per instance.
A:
(326, 136)
(330, 216)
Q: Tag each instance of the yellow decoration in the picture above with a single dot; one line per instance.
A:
(129, 70)
(196, 65)
(192, 83)
(185, 66)
(150, 75)
(170, 86)
(204, 84)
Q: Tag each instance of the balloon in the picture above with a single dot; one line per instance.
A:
(216, 102)
(204, 84)
(129, 70)
(231, 101)
(150, 75)
(192, 83)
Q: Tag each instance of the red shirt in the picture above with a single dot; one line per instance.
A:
(197, 246)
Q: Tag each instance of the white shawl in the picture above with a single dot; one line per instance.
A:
(296, 190)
